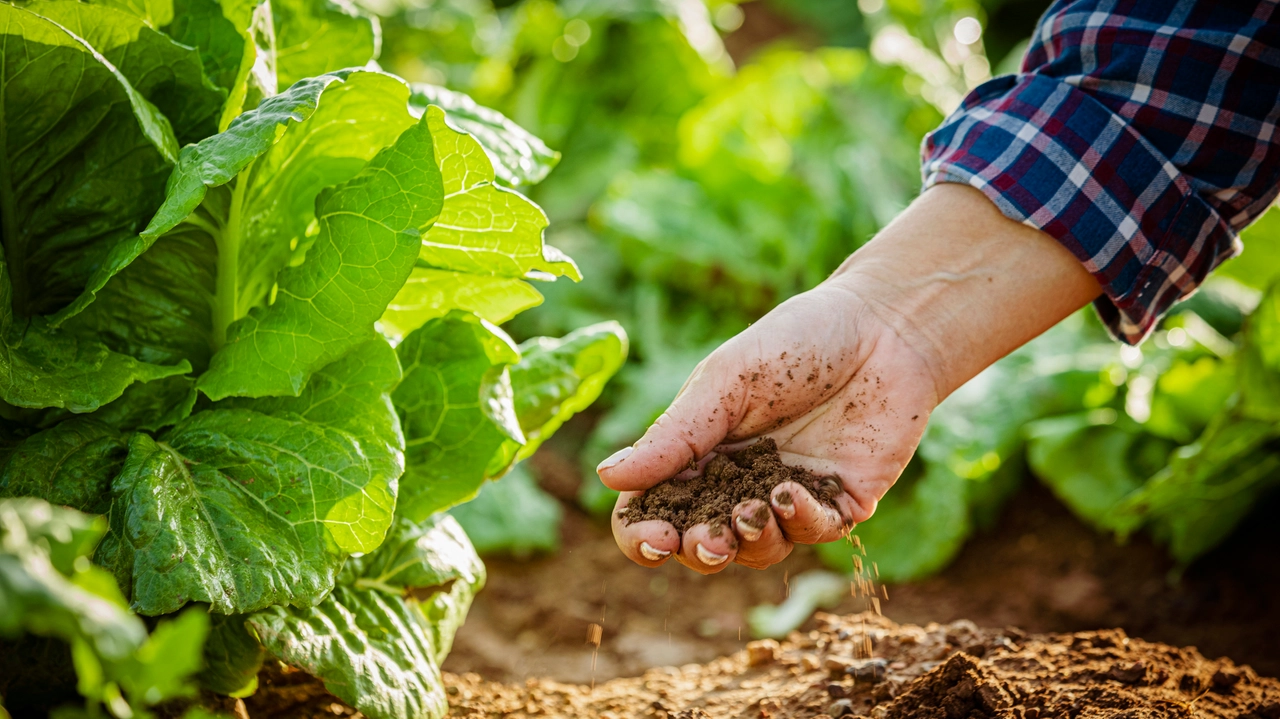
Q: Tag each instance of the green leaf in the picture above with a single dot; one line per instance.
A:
(370, 229)
(454, 370)
(519, 158)
(259, 502)
(156, 13)
(1086, 462)
(433, 293)
(162, 667)
(201, 24)
(378, 640)
(557, 378)
(36, 597)
(232, 657)
(271, 164)
(169, 75)
(318, 36)
(484, 228)
(72, 464)
(511, 516)
(157, 309)
(46, 368)
(84, 162)
(1208, 487)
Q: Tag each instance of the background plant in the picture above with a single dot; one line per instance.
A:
(248, 313)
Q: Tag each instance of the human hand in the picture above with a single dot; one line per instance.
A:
(843, 377)
(839, 391)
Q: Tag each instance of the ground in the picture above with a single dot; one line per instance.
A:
(1039, 570)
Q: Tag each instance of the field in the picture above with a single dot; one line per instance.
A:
(316, 317)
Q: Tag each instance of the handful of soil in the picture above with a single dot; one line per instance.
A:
(728, 479)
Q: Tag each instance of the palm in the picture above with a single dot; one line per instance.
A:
(840, 393)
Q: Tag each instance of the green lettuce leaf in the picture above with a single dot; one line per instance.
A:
(511, 516)
(455, 383)
(1085, 461)
(232, 657)
(378, 640)
(318, 36)
(472, 405)
(202, 25)
(370, 230)
(169, 75)
(85, 159)
(483, 228)
(519, 158)
(248, 194)
(40, 581)
(71, 463)
(558, 378)
(258, 502)
(155, 13)
(429, 294)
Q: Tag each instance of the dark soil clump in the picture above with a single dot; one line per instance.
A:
(959, 689)
(727, 480)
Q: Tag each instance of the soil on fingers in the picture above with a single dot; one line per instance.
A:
(726, 481)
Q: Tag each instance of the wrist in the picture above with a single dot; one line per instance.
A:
(962, 284)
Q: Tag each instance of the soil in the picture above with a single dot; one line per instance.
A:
(951, 671)
(727, 480)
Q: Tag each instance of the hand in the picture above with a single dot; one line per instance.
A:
(841, 393)
(843, 377)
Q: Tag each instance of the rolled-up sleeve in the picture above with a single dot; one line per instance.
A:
(1140, 135)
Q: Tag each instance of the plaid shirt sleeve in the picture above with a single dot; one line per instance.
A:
(1141, 134)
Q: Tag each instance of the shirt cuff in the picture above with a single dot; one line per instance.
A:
(1050, 156)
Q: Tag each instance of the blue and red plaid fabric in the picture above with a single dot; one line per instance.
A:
(1139, 134)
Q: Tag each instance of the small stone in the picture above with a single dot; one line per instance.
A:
(1224, 681)
(879, 712)
(760, 653)
(837, 664)
(839, 708)
(870, 670)
(809, 662)
(1131, 674)
(837, 691)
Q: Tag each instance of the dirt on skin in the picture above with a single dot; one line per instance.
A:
(726, 481)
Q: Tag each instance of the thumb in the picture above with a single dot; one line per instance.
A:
(699, 418)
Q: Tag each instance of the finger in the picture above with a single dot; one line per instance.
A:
(803, 518)
(650, 542)
(694, 423)
(707, 548)
(760, 540)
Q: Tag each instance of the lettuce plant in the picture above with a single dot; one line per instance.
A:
(248, 313)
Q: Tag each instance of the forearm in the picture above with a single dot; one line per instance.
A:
(964, 284)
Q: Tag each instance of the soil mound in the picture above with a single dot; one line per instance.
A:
(953, 671)
(728, 479)
(959, 689)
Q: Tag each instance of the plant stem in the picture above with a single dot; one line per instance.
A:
(226, 307)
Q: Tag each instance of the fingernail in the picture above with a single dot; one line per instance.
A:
(706, 556)
(651, 554)
(613, 459)
(749, 532)
(783, 505)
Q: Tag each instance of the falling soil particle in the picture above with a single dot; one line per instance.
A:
(727, 480)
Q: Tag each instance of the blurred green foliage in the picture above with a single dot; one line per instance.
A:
(698, 190)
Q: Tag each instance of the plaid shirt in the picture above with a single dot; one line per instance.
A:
(1141, 134)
